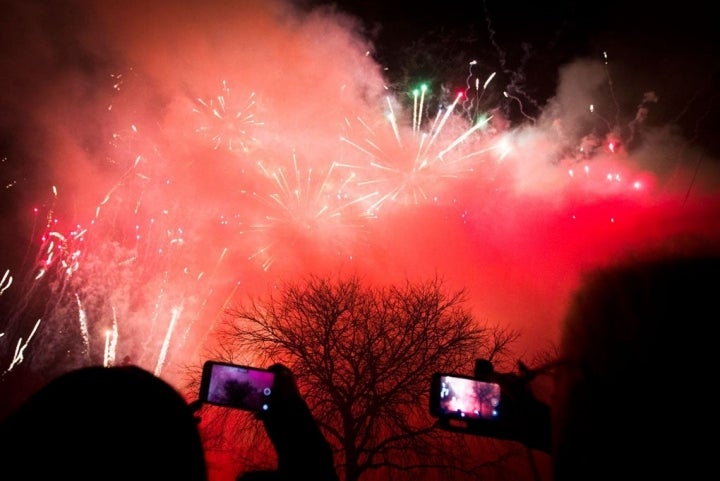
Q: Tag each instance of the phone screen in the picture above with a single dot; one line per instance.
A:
(236, 386)
(464, 398)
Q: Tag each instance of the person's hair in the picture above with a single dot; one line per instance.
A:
(103, 423)
(635, 386)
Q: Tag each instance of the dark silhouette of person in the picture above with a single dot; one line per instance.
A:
(109, 423)
(302, 450)
(634, 394)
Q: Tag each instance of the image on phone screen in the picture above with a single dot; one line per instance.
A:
(235, 386)
(468, 398)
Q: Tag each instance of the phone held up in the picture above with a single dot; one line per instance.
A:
(236, 386)
(490, 404)
(459, 397)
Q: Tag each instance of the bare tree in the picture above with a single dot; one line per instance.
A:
(363, 357)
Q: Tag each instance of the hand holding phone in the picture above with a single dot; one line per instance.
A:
(236, 386)
(493, 407)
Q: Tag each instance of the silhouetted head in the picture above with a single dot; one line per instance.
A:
(103, 423)
(637, 381)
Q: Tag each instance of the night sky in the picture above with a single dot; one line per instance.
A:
(162, 160)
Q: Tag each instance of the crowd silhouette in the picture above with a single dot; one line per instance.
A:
(632, 394)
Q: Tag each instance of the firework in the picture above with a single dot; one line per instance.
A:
(179, 198)
(411, 167)
(303, 206)
(228, 123)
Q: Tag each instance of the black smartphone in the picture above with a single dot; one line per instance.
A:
(464, 397)
(236, 386)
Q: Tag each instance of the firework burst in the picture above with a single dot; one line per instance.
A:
(228, 123)
(411, 165)
(305, 209)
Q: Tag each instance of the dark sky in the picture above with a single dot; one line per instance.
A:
(670, 48)
(575, 28)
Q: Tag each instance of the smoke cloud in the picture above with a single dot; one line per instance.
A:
(162, 160)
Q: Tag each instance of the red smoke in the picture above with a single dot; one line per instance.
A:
(202, 153)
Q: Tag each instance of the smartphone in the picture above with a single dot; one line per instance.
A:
(236, 386)
(464, 397)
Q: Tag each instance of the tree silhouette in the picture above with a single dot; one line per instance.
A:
(363, 358)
